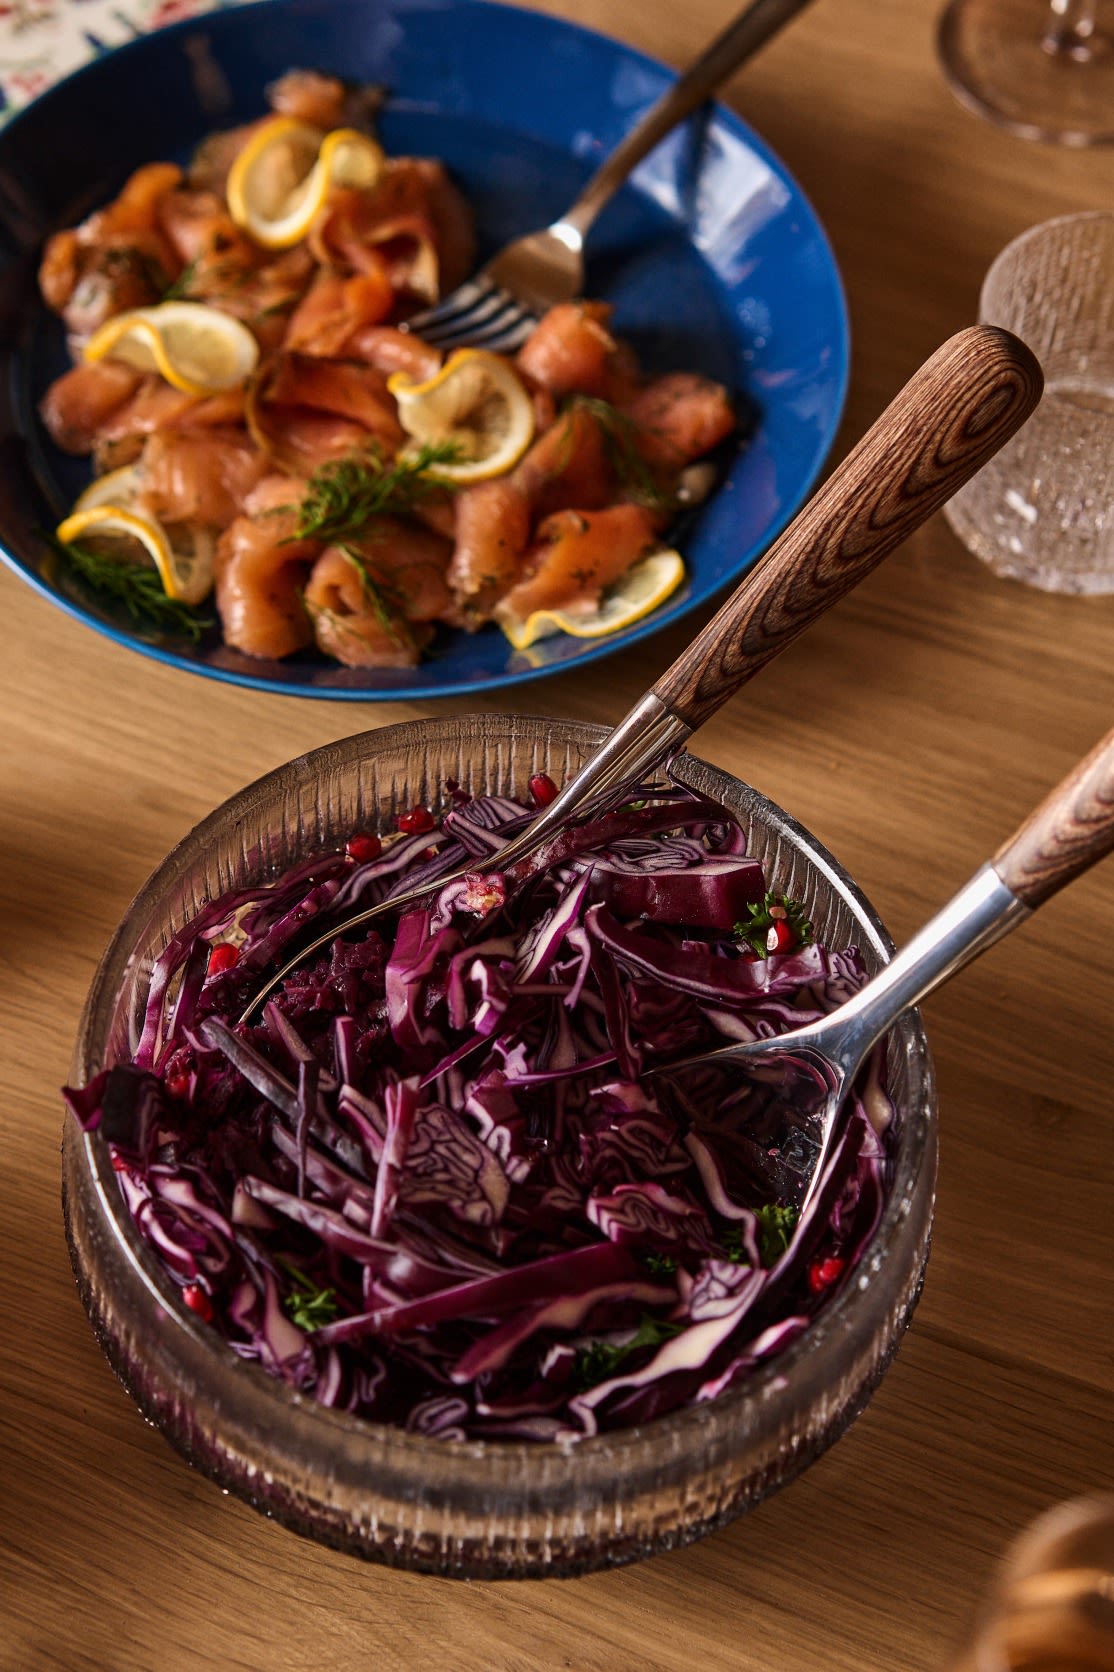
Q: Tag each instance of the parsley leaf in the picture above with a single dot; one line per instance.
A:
(599, 1360)
(760, 919)
(775, 1228)
(308, 1305)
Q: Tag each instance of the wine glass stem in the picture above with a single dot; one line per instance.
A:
(1071, 29)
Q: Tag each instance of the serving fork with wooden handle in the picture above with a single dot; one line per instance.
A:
(498, 308)
(814, 1067)
(964, 403)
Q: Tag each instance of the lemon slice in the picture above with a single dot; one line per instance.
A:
(185, 565)
(197, 349)
(478, 404)
(282, 177)
(646, 584)
(115, 487)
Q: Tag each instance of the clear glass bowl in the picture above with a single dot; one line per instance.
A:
(475, 1509)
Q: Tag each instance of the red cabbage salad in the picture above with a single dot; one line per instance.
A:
(432, 1183)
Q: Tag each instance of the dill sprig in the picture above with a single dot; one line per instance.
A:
(284, 305)
(343, 495)
(180, 288)
(387, 602)
(138, 588)
(632, 472)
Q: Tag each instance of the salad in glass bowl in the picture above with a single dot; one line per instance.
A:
(443, 1275)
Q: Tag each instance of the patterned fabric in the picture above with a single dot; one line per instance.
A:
(43, 40)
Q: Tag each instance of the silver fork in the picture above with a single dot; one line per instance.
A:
(814, 1066)
(498, 308)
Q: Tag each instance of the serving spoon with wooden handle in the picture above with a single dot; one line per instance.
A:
(813, 1067)
(962, 405)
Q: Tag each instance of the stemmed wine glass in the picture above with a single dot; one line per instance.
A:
(1044, 69)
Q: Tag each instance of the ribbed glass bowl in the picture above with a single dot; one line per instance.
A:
(475, 1509)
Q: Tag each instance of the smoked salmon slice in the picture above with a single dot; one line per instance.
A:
(335, 307)
(411, 562)
(80, 402)
(261, 572)
(493, 521)
(568, 466)
(198, 478)
(371, 601)
(354, 619)
(341, 387)
(304, 412)
(391, 350)
(309, 96)
(678, 418)
(575, 556)
(571, 351)
(116, 258)
(154, 405)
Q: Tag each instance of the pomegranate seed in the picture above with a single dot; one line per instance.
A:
(781, 936)
(198, 1301)
(363, 848)
(178, 1085)
(119, 1165)
(543, 789)
(823, 1273)
(417, 820)
(222, 957)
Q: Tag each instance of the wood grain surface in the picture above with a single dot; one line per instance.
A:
(911, 729)
(1072, 829)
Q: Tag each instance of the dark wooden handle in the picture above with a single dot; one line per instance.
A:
(1070, 831)
(950, 418)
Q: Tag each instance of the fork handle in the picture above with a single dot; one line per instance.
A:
(950, 418)
(1071, 829)
(751, 29)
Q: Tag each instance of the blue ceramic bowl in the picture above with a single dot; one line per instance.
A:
(713, 258)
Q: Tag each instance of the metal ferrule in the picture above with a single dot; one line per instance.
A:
(649, 735)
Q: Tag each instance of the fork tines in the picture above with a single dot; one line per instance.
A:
(479, 313)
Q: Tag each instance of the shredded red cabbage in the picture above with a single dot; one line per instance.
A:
(433, 1184)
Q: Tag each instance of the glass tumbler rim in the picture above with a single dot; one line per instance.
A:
(1033, 235)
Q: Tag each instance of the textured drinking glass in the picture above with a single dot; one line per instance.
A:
(1052, 1609)
(1042, 510)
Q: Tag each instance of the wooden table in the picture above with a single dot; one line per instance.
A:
(909, 731)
